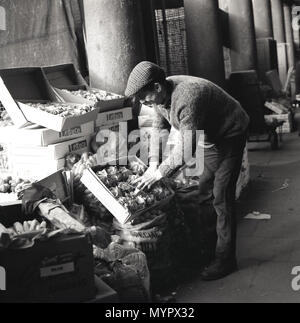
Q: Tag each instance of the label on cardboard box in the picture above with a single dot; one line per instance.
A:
(111, 117)
(57, 269)
(51, 152)
(38, 136)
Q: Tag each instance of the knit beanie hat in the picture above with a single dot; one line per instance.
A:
(142, 75)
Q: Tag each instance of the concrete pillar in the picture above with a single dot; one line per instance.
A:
(278, 21)
(262, 18)
(289, 34)
(242, 35)
(204, 41)
(115, 41)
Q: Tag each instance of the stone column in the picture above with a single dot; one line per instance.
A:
(289, 34)
(115, 41)
(262, 18)
(204, 41)
(242, 35)
(278, 21)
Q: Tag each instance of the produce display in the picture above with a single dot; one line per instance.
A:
(13, 185)
(120, 182)
(63, 109)
(26, 227)
(95, 95)
(86, 160)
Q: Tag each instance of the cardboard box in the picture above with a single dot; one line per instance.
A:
(115, 127)
(102, 193)
(58, 270)
(276, 107)
(38, 136)
(34, 115)
(103, 105)
(64, 76)
(55, 122)
(112, 117)
(36, 169)
(20, 151)
(27, 83)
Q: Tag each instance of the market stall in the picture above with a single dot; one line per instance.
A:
(90, 233)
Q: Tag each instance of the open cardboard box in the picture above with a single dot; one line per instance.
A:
(59, 269)
(27, 83)
(55, 122)
(103, 105)
(30, 85)
(103, 194)
(65, 76)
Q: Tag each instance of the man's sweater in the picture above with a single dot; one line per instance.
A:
(198, 104)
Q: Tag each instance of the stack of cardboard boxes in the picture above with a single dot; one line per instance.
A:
(38, 142)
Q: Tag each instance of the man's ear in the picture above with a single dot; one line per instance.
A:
(157, 87)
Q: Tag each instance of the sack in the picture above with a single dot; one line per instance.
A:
(126, 271)
(151, 237)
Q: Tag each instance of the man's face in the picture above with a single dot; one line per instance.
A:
(152, 97)
(149, 98)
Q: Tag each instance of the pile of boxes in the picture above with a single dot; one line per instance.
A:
(38, 142)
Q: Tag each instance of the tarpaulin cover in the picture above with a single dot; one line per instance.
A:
(40, 33)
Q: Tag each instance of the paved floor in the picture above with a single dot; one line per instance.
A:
(268, 249)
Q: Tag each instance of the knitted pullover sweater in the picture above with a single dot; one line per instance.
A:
(198, 104)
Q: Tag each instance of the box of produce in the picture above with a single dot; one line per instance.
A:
(64, 76)
(59, 116)
(113, 117)
(20, 151)
(106, 101)
(60, 269)
(39, 136)
(113, 187)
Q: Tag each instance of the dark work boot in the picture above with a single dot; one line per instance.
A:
(219, 269)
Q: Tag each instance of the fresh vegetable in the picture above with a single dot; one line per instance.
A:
(95, 95)
(63, 109)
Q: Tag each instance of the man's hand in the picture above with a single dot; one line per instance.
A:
(151, 176)
(149, 180)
